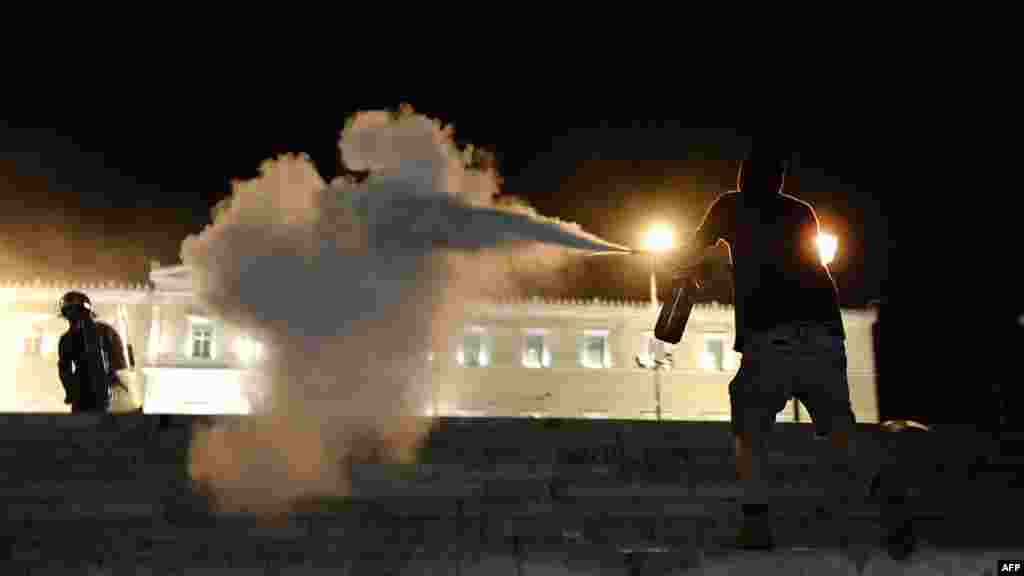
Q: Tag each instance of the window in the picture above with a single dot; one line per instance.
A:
(474, 349)
(202, 342)
(32, 345)
(594, 349)
(536, 353)
(712, 358)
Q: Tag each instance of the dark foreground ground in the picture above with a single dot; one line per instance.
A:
(517, 497)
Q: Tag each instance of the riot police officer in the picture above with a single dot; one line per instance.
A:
(90, 354)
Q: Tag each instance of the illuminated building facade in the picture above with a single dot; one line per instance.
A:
(522, 358)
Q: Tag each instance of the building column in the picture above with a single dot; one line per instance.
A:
(8, 363)
(155, 336)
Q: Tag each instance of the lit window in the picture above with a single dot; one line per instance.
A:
(202, 341)
(712, 358)
(536, 353)
(32, 345)
(594, 349)
(474, 350)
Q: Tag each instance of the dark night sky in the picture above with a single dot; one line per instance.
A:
(100, 190)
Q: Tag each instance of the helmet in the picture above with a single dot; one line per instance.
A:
(74, 305)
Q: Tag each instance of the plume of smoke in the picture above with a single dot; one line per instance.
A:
(349, 285)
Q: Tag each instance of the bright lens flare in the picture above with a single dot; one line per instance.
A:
(658, 239)
(248, 350)
(827, 246)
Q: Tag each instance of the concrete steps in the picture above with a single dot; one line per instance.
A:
(494, 493)
(367, 552)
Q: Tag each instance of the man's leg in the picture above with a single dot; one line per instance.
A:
(756, 395)
(823, 386)
(842, 467)
(749, 451)
(744, 444)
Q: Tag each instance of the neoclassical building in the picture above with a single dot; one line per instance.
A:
(521, 358)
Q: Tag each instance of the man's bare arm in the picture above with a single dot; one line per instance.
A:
(704, 242)
(691, 258)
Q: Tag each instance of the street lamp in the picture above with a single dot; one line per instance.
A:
(659, 238)
(827, 246)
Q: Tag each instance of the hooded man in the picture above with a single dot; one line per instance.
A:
(89, 355)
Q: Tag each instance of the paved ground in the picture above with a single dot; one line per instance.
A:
(585, 560)
(492, 497)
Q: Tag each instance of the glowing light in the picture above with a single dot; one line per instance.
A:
(248, 350)
(659, 238)
(827, 246)
(8, 295)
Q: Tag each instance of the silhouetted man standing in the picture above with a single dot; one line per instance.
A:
(89, 355)
(789, 329)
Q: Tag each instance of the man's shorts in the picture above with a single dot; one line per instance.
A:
(806, 361)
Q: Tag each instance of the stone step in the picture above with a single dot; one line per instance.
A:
(552, 561)
(573, 442)
(479, 524)
(508, 432)
(98, 470)
(92, 489)
(72, 509)
(370, 549)
(384, 482)
(705, 503)
(527, 479)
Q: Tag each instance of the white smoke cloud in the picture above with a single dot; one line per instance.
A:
(349, 285)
